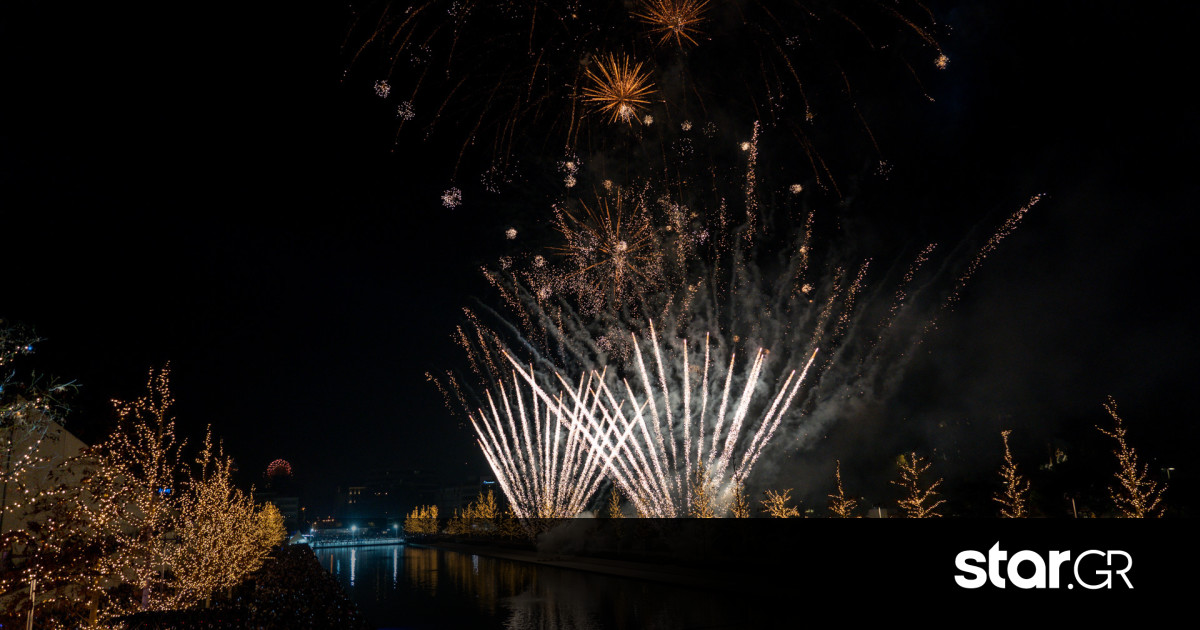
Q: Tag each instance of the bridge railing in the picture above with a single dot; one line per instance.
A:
(319, 542)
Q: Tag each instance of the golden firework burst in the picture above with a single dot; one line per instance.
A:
(672, 18)
(619, 88)
(613, 251)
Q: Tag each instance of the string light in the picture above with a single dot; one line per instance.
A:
(1016, 488)
(1135, 495)
(841, 505)
(776, 504)
(918, 502)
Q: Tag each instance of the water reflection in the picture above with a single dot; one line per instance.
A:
(432, 588)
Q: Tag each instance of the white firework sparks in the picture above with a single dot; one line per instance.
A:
(724, 454)
(546, 461)
(652, 447)
(405, 111)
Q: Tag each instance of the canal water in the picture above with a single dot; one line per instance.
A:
(400, 586)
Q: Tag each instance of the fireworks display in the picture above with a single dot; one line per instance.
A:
(697, 260)
(654, 467)
(699, 252)
(619, 88)
(612, 251)
(279, 469)
(673, 19)
(439, 58)
(552, 469)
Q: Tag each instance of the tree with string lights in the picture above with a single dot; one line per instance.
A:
(740, 508)
(841, 505)
(217, 531)
(422, 520)
(1135, 495)
(63, 555)
(269, 528)
(134, 491)
(918, 501)
(702, 503)
(35, 530)
(28, 412)
(1016, 487)
(614, 504)
(776, 504)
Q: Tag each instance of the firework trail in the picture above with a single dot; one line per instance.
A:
(657, 477)
(650, 439)
(552, 469)
(435, 63)
(652, 413)
(569, 383)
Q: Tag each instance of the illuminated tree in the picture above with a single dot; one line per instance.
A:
(28, 410)
(776, 504)
(430, 516)
(841, 505)
(478, 516)
(422, 520)
(56, 549)
(412, 522)
(47, 548)
(270, 530)
(456, 526)
(133, 491)
(701, 495)
(614, 504)
(918, 502)
(1016, 488)
(509, 525)
(1136, 495)
(485, 507)
(740, 507)
(217, 530)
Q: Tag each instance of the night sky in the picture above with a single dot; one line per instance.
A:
(196, 184)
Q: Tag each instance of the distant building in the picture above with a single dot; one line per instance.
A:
(49, 445)
(387, 496)
(458, 497)
(878, 512)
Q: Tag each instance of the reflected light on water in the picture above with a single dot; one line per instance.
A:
(433, 588)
